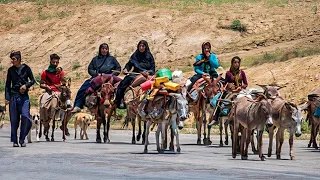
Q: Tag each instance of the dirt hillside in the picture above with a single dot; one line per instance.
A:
(174, 34)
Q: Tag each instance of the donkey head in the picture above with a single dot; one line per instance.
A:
(296, 115)
(65, 96)
(271, 91)
(107, 92)
(265, 105)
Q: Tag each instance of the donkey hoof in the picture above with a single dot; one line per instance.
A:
(226, 142)
(221, 144)
(98, 140)
(234, 156)
(292, 157)
(47, 139)
(178, 149)
(278, 156)
(165, 146)
(263, 158)
(244, 157)
(133, 142)
(309, 145)
(269, 155)
(52, 139)
(143, 142)
(29, 141)
(198, 142)
(171, 148)
(145, 151)
(138, 138)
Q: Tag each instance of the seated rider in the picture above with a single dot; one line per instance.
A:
(102, 63)
(142, 62)
(236, 81)
(205, 64)
(97, 82)
(235, 77)
(51, 80)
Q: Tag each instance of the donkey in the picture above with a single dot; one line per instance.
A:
(206, 89)
(285, 115)
(56, 104)
(176, 107)
(314, 121)
(250, 114)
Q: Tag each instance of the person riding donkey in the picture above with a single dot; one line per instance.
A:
(205, 65)
(142, 62)
(103, 63)
(51, 80)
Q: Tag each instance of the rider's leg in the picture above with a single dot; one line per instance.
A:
(124, 84)
(80, 97)
(193, 80)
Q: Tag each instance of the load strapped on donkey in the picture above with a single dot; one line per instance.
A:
(156, 91)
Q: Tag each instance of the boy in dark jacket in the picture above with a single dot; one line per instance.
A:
(19, 80)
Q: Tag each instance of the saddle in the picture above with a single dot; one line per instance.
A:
(198, 86)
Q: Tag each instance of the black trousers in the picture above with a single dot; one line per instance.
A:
(124, 84)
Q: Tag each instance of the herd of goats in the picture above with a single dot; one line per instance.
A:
(247, 112)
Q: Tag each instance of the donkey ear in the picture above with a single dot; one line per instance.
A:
(69, 82)
(264, 86)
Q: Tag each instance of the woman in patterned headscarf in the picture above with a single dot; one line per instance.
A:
(235, 77)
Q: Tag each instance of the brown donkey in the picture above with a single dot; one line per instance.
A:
(250, 114)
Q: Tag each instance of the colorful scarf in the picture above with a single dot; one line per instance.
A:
(236, 74)
(52, 68)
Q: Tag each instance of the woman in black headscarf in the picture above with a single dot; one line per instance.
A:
(104, 63)
(142, 62)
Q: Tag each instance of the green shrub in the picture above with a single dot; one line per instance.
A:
(305, 128)
(75, 65)
(2, 85)
(33, 101)
(26, 20)
(238, 26)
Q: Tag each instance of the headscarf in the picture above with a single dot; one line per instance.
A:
(16, 54)
(100, 55)
(203, 46)
(138, 56)
(235, 72)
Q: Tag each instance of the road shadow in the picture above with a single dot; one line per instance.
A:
(166, 152)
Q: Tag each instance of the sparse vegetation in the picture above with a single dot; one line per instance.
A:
(78, 75)
(315, 10)
(46, 15)
(33, 101)
(270, 57)
(153, 3)
(37, 77)
(238, 26)
(75, 65)
(26, 20)
(2, 85)
(305, 128)
(1, 68)
(186, 69)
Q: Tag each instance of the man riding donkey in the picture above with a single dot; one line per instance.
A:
(52, 79)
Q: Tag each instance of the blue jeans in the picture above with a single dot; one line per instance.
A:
(81, 94)
(20, 106)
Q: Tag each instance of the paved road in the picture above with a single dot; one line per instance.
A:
(85, 159)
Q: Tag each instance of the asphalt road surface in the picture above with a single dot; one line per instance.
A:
(85, 159)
